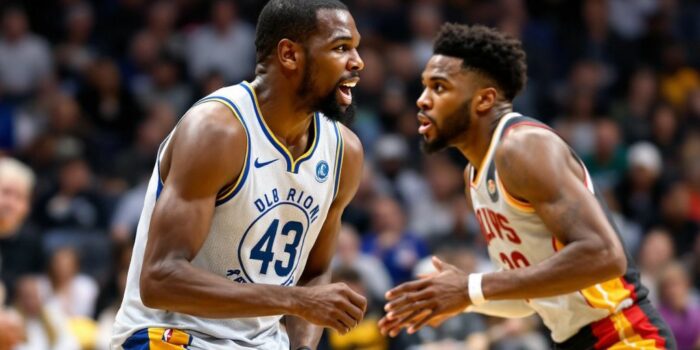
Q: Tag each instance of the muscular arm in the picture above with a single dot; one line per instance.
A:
(206, 153)
(301, 332)
(536, 166)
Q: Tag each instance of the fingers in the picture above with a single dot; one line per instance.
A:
(394, 328)
(439, 265)
(426, 275)
(408, 300)
(357, 300)
(353, 311)
(419, 322)
(409, 308)
(347, 321)
(407, 287)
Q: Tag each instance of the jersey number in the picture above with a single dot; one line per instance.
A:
(516, 260)
(263, 249)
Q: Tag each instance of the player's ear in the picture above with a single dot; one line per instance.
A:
(485, 99)
(289, 54)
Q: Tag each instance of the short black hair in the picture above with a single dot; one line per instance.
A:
(292, 19)
(486, 51)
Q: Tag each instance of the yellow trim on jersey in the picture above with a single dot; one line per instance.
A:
(514, 202)
(629, 339)
(339, 149)
(178, 339)
(487, 156)
(247, 148)
(308, 152)
(607, 295)
(558, 245)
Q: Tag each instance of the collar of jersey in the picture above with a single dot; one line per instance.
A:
(292, 164)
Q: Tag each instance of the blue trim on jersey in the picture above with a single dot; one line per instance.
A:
(138, 341)
(338, 158)
(292, 165)
(244, 175)
(160, 185)
(159, 189)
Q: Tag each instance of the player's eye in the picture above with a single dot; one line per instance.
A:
(341, 48)
(438, 87)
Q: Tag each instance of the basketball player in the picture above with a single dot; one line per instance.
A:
(543, 221)
(244, 205)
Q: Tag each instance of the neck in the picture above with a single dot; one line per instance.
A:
(280, 109)
(477, 139)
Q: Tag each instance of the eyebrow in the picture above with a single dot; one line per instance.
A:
(439, 77)
(342, 37)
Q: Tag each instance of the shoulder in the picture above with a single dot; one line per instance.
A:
(530, 146)
(211, 124)
(209, 145)
(530, 160)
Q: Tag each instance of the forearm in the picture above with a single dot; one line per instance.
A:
(577, 266)
(503, 308)
(301, 332)
(180, 287)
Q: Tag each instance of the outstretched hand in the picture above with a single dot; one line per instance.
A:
(429, 300)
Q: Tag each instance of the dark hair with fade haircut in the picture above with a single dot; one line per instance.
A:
(486, 51)
(292, 19)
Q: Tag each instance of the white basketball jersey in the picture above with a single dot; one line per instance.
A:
(517, 237)
(262, 231)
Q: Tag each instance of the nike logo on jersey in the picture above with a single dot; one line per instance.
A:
(258, 164)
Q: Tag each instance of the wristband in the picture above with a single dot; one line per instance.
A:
(475, 293)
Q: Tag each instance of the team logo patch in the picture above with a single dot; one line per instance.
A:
(322, 170)
(491, 186)
(167, 334)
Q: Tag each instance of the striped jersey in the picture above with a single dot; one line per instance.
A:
(517, 237)
(263, 228)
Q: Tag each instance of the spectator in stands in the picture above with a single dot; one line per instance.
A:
(640, 191)
(374, 275)
(399, 248)
(607, 163)
(679, 306)
(656, 252)
(64, 285)
(25, 59)
(16, 186)
(45, 324)
(217, 45)
(20, 246)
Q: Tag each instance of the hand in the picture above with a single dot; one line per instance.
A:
(334, 306)
(434, 297)
(12, 330)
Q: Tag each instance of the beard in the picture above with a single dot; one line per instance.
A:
(454, 126)
(327, 104)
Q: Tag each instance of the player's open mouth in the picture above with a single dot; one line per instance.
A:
(345, 91)
(425, 124)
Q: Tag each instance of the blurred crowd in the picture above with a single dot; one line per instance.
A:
(89, 89)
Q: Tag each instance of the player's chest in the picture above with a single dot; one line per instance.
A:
(514, 239)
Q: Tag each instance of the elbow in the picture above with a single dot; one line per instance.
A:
(615, 261)
(152, 284)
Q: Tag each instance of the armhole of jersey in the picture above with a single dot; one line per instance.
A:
(159, 154)
(229, 191)
(587, 181)
(516, 203)
(338, 158)
(470, 175)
